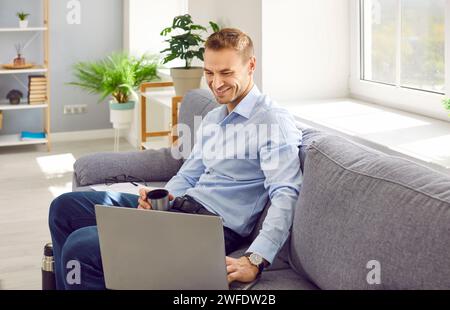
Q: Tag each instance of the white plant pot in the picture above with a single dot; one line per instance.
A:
(121, 114)
(186, 79)
(23, 23)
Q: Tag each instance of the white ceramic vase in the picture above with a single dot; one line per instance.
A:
(121, 114)
(23, 23)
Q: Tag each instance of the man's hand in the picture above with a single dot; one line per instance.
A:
(143, 203)
(241, 270)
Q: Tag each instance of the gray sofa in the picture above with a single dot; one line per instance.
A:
(364, 220)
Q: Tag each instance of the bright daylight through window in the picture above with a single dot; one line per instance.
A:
(403, 43)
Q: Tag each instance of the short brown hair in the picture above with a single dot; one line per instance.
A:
(231, 38)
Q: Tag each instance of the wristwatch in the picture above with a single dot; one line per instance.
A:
(256, 260)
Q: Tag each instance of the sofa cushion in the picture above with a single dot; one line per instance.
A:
(286, 279)
(281, 261)
(89, 189)
(357, 206)
(150, 165)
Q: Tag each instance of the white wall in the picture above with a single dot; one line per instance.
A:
(302, 46)
(305, 48)
(242, 14)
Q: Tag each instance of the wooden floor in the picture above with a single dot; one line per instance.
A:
(30, 178)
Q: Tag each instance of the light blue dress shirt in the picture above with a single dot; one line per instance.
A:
(234, 177)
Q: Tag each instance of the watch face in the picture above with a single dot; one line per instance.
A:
(256, 259)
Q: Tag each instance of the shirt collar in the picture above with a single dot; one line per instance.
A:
(245, 107)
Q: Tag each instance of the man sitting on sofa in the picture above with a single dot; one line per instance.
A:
(234, 188)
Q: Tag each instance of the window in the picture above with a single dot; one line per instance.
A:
(403, 43)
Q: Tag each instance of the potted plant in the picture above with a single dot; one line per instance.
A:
(118, 76)
(185, 44)
(446, 103)
(14, 96)
(23, 21)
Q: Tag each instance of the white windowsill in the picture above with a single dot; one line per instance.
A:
(421, 139)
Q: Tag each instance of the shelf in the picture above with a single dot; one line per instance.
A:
(163, 97)
(29, 29)
(4, 106)
(10, 140)
(35, 69)
(39, 29)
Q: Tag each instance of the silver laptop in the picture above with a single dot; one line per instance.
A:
(153, 250)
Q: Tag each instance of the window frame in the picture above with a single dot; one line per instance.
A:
(421, 102)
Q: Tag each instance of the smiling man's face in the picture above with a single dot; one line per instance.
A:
(229, 76)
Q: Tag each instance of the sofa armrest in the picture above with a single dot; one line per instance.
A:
(150, 165)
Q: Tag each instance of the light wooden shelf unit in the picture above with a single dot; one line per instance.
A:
(166, 97)
(14, 139)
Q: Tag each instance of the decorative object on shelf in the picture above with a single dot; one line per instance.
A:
(12, 67)
(37, 89)
(29, 136)
(14, 96)
(19, 60)
(119, 76)
(23, 21)
(446, 103)
(186, 46)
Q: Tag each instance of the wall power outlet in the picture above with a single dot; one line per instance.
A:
(75, 109)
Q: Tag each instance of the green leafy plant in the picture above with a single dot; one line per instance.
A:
(188, 44)
(22, 15)
(446, 103)
(119, 75)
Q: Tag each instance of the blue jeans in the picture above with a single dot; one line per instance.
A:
(74, 235)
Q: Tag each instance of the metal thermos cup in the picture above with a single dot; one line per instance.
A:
(159, 199)
(48, 271)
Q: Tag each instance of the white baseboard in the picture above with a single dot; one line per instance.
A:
(86, 135)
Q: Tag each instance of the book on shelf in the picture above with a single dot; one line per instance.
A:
(38, 92)
(37, 89)
(38, 78)
(38, 96)
(38, 84)
(28, 135)
(38, 102)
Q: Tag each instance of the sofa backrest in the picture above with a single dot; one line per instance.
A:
(367, 220)
(196, 102)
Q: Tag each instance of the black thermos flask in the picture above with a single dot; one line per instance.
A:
(48, 270)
